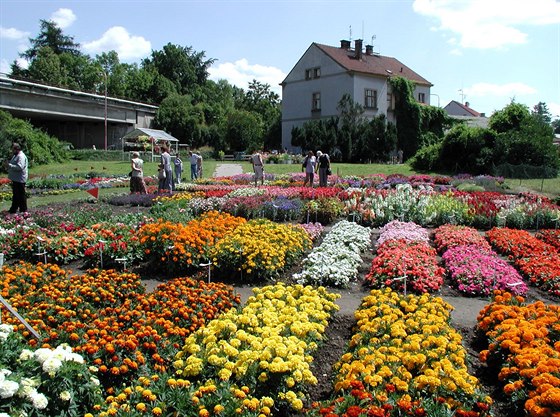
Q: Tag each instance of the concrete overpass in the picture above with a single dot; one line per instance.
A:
(82, 119)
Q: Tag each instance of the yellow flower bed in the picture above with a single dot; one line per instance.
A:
(404, 349)
(260, 249)
(266, 346)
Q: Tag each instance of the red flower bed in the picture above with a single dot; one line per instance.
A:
(399, 258)
(537, 260)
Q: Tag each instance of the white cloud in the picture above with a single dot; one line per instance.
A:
(13, 34)
(554, 109)
(118, 39)
(63, 18)
(4, 66)
(240, 73)
(492, 24)
(510, 90)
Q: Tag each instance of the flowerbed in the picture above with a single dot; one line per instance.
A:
(335, 262)
(537, 260)
(406, 262)
(43, 381)
(475, 269)
(523, 348)
(105, 316)
(404, 359)
(259, 250)
(248, 363)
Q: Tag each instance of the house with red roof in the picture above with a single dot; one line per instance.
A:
(317, 82)
(464, 113)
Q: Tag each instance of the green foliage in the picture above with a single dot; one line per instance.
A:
(323, 210)
(408, 115)
(427, 158)
(39, 147)
(244, 131)
(468, 149)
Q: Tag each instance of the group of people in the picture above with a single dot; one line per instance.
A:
(169, 172)
(320, 164)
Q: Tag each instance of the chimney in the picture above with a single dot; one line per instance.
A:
(369, 49)
(467, 104)
(344, 44)
(358, 48)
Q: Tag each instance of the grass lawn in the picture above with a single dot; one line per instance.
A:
(549, 187)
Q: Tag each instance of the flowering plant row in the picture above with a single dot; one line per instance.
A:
(475, 269)
(522, 346)
(537, 260)
(428, 207)
(335, 262)
(248, 363)
(550, 236)
(407, 262)
(450, 235)
(259, 249)
(105, 316)
(404, 359)
(43, 381)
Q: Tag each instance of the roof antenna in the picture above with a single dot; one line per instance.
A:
(350, 33)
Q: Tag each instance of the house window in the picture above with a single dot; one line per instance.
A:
(421, 97)
(312, 73)
(370, 99)
(316, 102)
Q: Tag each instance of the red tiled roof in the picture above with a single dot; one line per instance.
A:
(372, 64)
(465, 108)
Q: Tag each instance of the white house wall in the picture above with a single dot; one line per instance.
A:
(333, 83)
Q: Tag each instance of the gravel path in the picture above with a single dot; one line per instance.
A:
(227, 170)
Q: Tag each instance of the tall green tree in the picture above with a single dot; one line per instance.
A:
(181, 66)
(408, 116)
(51, 36)
(351, 126)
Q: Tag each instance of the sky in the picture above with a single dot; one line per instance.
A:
(484, 52)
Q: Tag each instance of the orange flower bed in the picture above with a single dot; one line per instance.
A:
(106, 317)
(181, 247)
(524, 347)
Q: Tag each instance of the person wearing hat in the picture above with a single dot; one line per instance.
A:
(137, 184)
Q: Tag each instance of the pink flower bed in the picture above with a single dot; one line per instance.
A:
(397, 230)
(477, 272)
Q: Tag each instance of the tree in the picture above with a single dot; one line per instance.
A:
(51, 36)
(510, 118)
(351, 126)
(468, 149)
(181, 66)
(540, 111)
(244, 131)
(181, 118)
(408, 116)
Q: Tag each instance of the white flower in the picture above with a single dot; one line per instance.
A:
(40, 402)
(41, 355)
(52, 365)
(5, 330)
(26, 355)
(8, 388)
(27, 386)
(65, 396)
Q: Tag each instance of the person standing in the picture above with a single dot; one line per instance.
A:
(309, 167)
(178, 168)
(323, 168)
(193, 157)
(137, 184)
(199, 166)
(166, 162)
(17, 168)
(258, 167)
